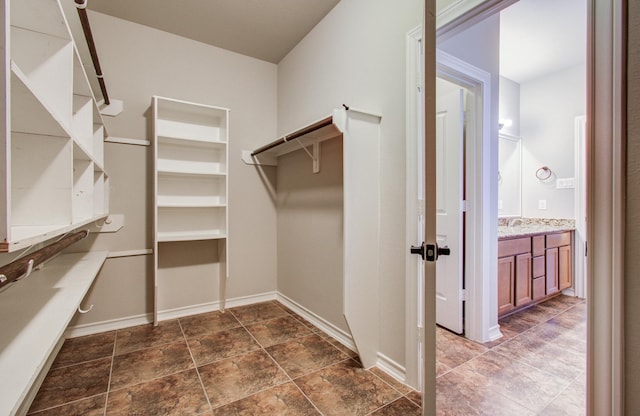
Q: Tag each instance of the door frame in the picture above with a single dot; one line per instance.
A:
(606, 120)
(481, 229)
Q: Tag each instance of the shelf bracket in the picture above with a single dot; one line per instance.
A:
(314, 154)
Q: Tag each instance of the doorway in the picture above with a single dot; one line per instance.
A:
(567, 179)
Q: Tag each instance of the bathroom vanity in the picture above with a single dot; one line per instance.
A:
(535, 259)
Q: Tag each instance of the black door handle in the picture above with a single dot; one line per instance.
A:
(430, 251)
(444, 251)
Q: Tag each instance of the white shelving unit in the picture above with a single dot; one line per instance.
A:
(191, 158)
(41, 306)
(52, 178)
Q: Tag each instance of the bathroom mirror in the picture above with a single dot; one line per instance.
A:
(509, 176)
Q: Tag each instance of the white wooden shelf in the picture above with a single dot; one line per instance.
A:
(53, 179)
(36, 313)
(191, 156)
(176, 236)
(169, 201)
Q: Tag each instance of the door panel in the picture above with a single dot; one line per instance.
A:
(449, 146)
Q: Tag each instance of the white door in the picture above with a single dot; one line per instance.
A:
(449, 201)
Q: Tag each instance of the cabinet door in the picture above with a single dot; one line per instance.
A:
(564, 267)
(523, 279)
(506, 280)
(552, 270)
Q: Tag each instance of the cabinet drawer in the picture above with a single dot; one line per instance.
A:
(539, 288)
(538, 245)
(514, 246)
(558, 240)
(538, 266)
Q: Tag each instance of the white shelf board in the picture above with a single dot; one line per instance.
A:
(25, 236)
(173, 201)
(195, 169)
(189, 132)
(164, 237)
(34, 116)
(37, 311)
(40, 16)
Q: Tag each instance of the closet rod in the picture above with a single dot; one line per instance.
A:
(81, 5)
(23, 266)
(295, 135)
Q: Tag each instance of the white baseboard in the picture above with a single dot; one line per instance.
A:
(325, 326)
(392, 368)
(494, 333)
(110, 325)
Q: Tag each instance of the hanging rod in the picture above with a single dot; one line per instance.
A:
(23, 266)
(296, 134)
(81, 5)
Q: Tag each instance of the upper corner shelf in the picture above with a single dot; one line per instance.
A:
(319, 131)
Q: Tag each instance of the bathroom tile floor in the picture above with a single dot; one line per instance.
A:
(537, 368)
(263, 359)
(260, 359)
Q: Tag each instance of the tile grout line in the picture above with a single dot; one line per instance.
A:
(195, 366)
(291, 380)
(113, 359)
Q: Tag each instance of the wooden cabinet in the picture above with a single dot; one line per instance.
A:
(514, 274)
(506, 284)
(52, 178)
(523, 279)
(190, 180)
(532, 268)
(565, 271)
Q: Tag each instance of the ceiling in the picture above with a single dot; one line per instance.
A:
(538, 37)
(265, 30)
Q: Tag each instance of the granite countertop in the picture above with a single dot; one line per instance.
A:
(522, 227)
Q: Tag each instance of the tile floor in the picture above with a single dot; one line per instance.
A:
(537, 368)
(253, 360)
(263, 359)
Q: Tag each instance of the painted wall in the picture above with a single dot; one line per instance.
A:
(310, 232)
(356, 56)
(509, 105)
(139, 62)
(632, 244)
(548, 107)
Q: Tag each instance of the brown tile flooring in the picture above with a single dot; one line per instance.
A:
(260, 359)
(263, 359)
(537, 368)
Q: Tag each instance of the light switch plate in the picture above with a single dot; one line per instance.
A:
(542, 204)
(565, 183)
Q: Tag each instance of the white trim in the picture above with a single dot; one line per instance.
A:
(481, 219)
(392, 368)
(494, 333)
(109, 325)
(120, 323)
(123, 140)
(414, 329)
(579, 240)
(325, 326)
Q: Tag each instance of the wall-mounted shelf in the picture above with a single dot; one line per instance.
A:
(190, 184)
(54, 179)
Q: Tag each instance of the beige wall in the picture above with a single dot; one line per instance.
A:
(632, 260)
(139, 62)
(310, 233)
(356, 56)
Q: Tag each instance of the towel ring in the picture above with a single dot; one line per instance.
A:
(543, 173)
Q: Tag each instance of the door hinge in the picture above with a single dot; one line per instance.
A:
(464, 205)
(463, 295)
